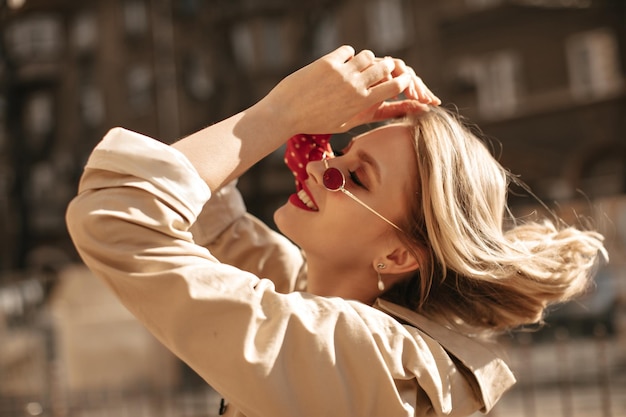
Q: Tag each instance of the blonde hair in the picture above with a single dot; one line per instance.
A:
(475, 271)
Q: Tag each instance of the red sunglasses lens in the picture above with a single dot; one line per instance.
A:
(333, 179)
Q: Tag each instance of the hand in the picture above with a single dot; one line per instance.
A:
(417, 90)
(418, 96)
(342, 90)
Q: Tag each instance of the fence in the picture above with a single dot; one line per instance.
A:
(567, 376)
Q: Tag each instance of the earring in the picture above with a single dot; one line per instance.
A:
(381, 284)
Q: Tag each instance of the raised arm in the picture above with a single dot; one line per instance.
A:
(333, 94)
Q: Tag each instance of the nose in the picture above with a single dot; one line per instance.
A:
(315, 170)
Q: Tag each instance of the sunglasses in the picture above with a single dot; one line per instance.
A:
(334, 180)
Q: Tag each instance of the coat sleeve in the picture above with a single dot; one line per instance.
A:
(237, 238)
(268, 353)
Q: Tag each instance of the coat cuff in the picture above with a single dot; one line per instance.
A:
(165, 168)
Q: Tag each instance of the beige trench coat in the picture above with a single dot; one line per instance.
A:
(192, 274)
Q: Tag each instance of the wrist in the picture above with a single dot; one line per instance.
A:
(277, 117)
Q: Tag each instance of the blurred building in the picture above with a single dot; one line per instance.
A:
(545, 78)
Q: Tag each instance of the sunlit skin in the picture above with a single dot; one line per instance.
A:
(342, 240)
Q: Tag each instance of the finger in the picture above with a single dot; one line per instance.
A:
(377, 73)
(388, 89)
(342, 54)
(434, 99)
(418, 89)
(409, 83)
(400, 68)
(396, 109)
(363, 60)
(424, 93)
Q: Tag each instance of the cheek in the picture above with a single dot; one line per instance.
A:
(347, 230)
(336, 228)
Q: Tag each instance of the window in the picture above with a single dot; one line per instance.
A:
(496, 78)
(135, 17)
(91, 106)
(499, 84)
(243, 45)
(85, 32)
(139, 81)
(37, 37)
(273, 48)
(38, 114)
(38, 119)
(386, 24)
(593, 64)
(197, 77)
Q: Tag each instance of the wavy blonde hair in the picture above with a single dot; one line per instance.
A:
(475, 270)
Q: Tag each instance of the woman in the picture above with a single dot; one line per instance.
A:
(406, 260)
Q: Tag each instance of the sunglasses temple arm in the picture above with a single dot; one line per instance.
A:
(355, 198)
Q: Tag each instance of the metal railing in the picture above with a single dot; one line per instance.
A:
(567, 376)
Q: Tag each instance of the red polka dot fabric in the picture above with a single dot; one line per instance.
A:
(302, 149)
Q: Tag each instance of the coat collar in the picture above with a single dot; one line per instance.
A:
(481, 358)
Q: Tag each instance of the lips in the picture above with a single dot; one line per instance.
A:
(304, 197)
(302, 149)
(302, 200)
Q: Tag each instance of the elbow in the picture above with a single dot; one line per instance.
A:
(75, 221)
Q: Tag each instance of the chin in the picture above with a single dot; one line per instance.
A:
(287, 224)
(281, 219)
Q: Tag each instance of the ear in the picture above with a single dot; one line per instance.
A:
(399, 261)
